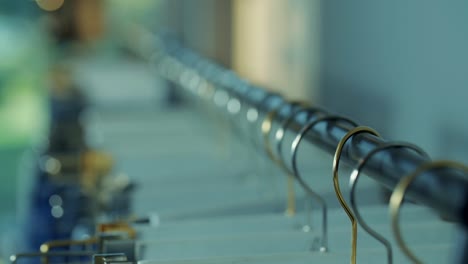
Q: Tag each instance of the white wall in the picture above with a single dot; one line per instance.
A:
(402, 67)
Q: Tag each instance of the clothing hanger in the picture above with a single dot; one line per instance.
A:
(296, 108)
(398, 195)
(354, 179)
(266, 128)
(336, 184)
(294, 147)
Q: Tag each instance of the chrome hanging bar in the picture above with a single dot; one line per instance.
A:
(445, 191)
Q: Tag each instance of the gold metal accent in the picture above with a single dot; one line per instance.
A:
(122, 226)
(336, 183)
(396, 200)
(267, 125)
(291, 198)
(354, 179)
(101, 228)
(45, 247)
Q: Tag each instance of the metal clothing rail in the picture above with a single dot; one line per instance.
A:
(445, 191)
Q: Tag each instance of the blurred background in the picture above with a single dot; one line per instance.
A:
(398, 66)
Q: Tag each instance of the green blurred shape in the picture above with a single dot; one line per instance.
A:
(23, 105)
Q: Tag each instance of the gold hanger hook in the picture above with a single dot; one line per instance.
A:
(354, 179)
(336, 183)
(267, 126)
(398, 195)
(294, 148)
